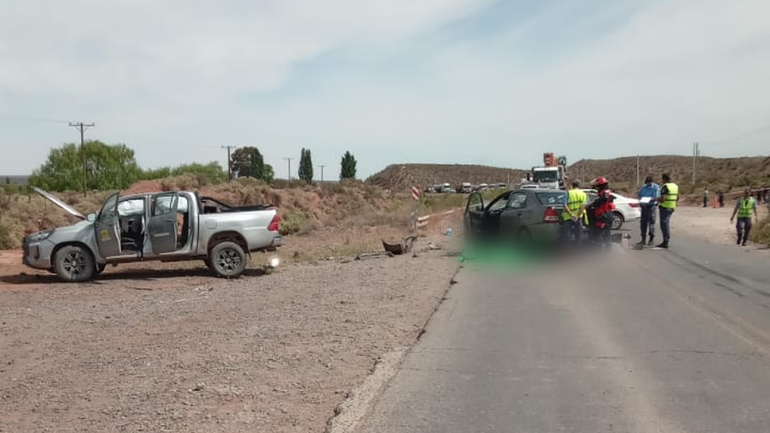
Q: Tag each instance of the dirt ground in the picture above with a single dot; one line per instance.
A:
(167, 347)
(710, 224)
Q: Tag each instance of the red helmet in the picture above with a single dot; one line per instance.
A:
(601, 180)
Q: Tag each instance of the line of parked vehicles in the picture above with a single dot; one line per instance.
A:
(463, 188)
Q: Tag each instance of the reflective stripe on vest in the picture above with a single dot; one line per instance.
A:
(746, 208)
(576, 199)
(672, 193)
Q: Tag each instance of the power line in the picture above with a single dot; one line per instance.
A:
(229, 161)
(32, 119)
(82, 128)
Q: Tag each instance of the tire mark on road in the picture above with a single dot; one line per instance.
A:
(749, 334)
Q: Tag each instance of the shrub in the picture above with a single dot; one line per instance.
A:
(761, 231)
(293, 222)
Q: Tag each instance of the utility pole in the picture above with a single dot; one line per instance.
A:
(229, 162)
(695, 155)
(289, 161)
(322, 172)
(637, 170)
(82, 127)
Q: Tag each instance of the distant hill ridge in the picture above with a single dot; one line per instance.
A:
(712, 173)
(399, 177)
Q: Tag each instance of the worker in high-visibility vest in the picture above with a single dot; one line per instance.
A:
(573, 215)
(669, 197)
(745, 208)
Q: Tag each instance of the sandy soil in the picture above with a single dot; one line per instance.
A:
(709, 224)
(167, 347)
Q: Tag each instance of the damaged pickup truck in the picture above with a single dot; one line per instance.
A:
(165, 226)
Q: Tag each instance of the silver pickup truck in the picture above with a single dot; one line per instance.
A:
(166, 226)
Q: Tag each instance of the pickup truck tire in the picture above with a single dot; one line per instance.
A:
(74, 263)
(227, 259)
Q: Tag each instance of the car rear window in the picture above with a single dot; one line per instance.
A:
(551, 197)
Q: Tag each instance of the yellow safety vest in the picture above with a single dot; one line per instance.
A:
(746, 208)
(671, 196)
(576, 199)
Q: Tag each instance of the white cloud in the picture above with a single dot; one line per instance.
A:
(162, 74)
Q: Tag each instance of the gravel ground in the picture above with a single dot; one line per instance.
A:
(709, 224)
(175, 350)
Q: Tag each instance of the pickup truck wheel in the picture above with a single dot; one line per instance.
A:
(74, 263)
(228, 259)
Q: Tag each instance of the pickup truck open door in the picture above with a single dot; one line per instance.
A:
(107, 228)
(163, 222)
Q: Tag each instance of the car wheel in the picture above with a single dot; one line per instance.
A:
(228, 259)
(524, 236)
(617, 221)
(74, 263)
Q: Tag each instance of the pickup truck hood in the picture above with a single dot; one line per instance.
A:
(55, 200)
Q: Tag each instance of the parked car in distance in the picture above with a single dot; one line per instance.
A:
(465, 188)
(165, 226)
(521, 215)
(626, 209)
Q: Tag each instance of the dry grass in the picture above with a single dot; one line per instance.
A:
(760, 233)
(303, 208)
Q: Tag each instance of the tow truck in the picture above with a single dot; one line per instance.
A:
(551, 174)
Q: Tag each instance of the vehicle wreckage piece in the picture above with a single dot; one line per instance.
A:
(401, 248)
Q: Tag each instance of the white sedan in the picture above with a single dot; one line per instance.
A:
(626, 208)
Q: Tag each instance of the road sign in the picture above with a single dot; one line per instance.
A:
(563, 160)
(415, 193)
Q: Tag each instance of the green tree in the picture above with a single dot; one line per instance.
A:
(348, 170)
(306, 166)
(156, 173)
(268, 174)
(212, 172)
(248, 162)
(106, 167)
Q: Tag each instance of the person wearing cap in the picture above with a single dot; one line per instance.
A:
(573, 215)
(745, 207)
(648, 196)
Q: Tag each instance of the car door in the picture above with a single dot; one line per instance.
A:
(474, 213)
(107, 228)
(515, 215)
(163, 222)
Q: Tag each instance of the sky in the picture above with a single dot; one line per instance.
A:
(495, 82)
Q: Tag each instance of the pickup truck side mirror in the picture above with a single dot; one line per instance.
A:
(91, 217)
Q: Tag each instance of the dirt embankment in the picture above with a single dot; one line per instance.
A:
(302, 208)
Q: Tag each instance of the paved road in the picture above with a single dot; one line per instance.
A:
(676, 341)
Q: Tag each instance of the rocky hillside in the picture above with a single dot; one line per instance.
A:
(712, 173)
(399, 177)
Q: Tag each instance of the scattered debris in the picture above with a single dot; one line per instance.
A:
(401, 248)
(366, 256)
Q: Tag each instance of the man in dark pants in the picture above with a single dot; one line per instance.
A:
(648, 198)
(669, 197)
(745, 208)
